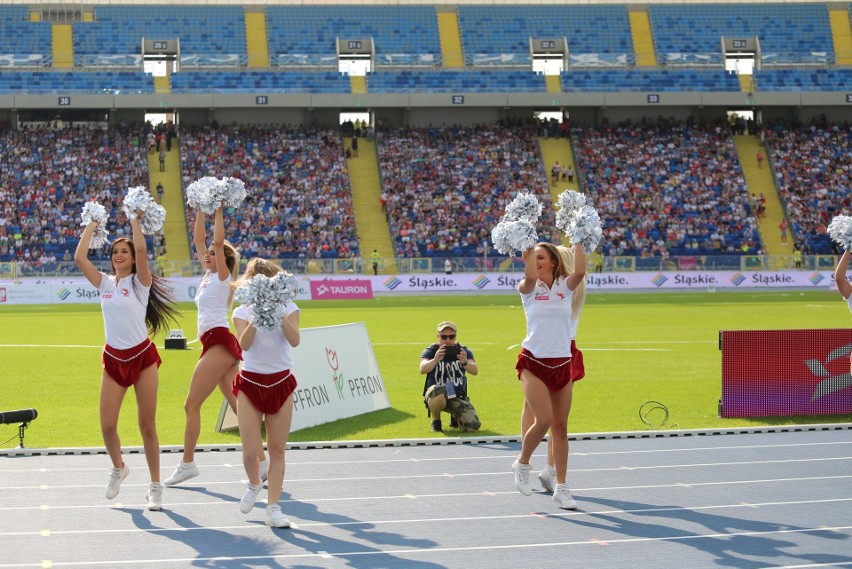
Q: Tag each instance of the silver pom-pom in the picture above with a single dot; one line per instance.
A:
(524, 206)
(153, 214)
(234, 191)
(578, 220)
(840, 231)
(570, 200)
(584, 227)
(202, 194)
(512, 235)
(153, 218)
(267, 298)
(93, 211)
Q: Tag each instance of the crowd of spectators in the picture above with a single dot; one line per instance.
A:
(813, 168)
(299, 200)
(667, 189)
(47, 173)
(444, 189)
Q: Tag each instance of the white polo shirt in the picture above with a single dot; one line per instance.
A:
(270, 352)
(212, 302)
(550, 327)
(123, 306)
(849, 302)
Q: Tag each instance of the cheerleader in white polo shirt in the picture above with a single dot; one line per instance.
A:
(134, 303)
(264, 388)
(221, 352)
(544, 364)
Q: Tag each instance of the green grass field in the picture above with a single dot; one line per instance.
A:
(638, 347)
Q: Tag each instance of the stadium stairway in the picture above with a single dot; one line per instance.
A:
(759, 180)
(450, 36)
(370, 218)
(257, 41)
(178, 256)
(643, 39)
(63, 46)
(841, 32)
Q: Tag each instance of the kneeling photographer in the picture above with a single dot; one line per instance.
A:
(445, 365)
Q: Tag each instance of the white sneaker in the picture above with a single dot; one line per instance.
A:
(250, 497)
(264, 470)
(547, 478)
(183, 472)
(562, 496)
(116, 475)
(522, 477)
(275, 517)
(155, 496)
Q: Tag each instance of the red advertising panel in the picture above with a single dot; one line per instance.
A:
(786, 372)
(330, 289)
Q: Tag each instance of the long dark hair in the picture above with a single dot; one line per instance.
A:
(161, 307)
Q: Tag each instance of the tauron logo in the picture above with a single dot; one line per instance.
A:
(831, 383)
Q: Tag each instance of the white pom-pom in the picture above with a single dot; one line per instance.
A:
(840, 231)
(524, 206)
(153, 214)
(201, 194)
(578, 220)
(512, 235)
(584, 227)
(93, 211)
(234, 191)
(267, 298)
(137, 199)
(570, 200)
(153, 218)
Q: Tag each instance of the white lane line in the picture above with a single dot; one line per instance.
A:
(442, 475)
(436, 520)
(444, 459)
(408, 496)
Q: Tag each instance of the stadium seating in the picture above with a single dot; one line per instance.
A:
(446, 188)
(299, 202)
(667, 190)
(260, 81)
(813, 167)
(206, 33)
(456, 81)
(666, 80)
(500, 35)
(400, 34)
(23, 43)
(803, 79)
(82, 82)
(47, 176)
(788, 32)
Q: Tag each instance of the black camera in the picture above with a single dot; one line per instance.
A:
(451, 353)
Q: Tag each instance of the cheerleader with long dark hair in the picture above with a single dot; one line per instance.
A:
(135, 304)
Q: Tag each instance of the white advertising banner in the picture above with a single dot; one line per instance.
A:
(337, 377)
(364, 286)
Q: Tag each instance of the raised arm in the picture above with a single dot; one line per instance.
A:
(290, 327)
(143, 271)
(81, 256)
(843, 285)
(576, 277)
(245, 332)
(199, 235)
(527, 284)
(219, 246)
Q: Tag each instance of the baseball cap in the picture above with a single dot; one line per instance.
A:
(447, 324)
